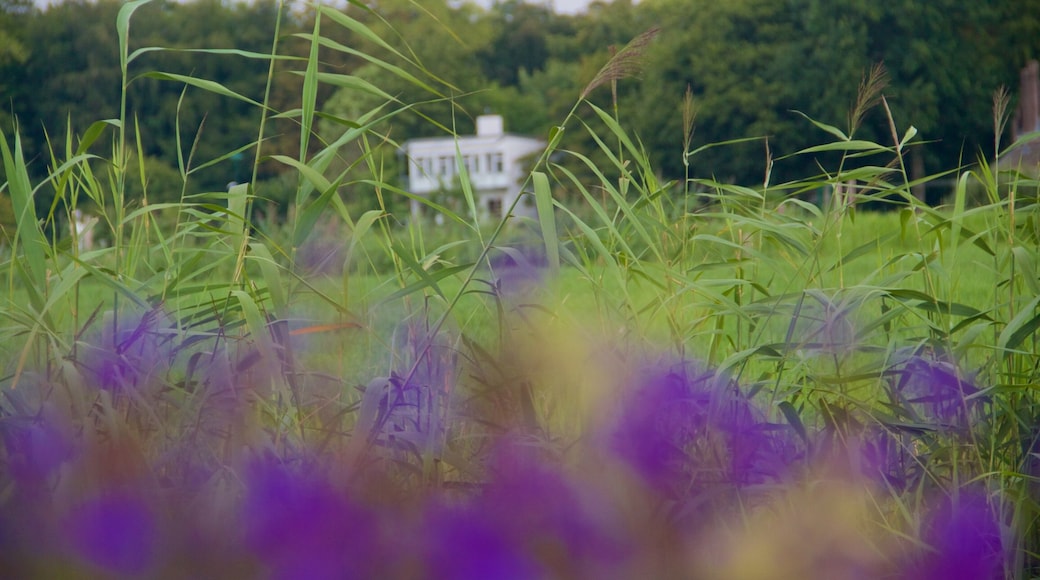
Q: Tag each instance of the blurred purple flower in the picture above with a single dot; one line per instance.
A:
(115, 531)
(130, 350)
(939, 390)
(965, 541)
(683, 431)
(299, 526)
(868, 454)
(518, 270)
(528, 495)
(465, 543)
(36, 448)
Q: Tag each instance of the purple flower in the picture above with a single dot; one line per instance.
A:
(518, 270)
(964, 539)
(115, 531)
(467, 544)
(938, 389)
(36, 448)
(528, 496)
(684, 431)
(299, 526)
(130, 351)
(881, 457)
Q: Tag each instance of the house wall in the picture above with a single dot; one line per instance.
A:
(491, 158)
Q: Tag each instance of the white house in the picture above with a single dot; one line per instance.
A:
(493, 161)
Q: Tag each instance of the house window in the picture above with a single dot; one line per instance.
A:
(494, 206)
(444, 167)
(422, 165)
(494, 163)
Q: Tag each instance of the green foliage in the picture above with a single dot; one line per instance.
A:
(281, 337)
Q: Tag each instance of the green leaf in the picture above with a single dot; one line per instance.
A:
(204, 84)
(791, 414)
(34, 243)
(426, 279)
(1021, 327)
(852, 145)
(547, 219)
(93, 132)
(270, 270)
(123, 29)
(310, 92)
(351, 82)
(828, 128)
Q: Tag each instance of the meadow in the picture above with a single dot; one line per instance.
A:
(652, 379)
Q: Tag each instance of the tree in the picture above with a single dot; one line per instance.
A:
(736, 58)
(13, 50)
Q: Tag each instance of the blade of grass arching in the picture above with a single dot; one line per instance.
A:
(353, 25)
(28, 233)
(853, 146)
(109, 278)
(217, 51)
(445, 211)
(740, 248)
(778, 232)
(1021, 327)
(1025, 260)
(308, 213)
(67, 281)
(608, 259)
(204, 84)
(726, 193)
(351, 82)
(547, 220)
(868, 249)
(828, 128)
(426, 278)
(344, 20)
(637, 153)
(359, 229)
(392, 69)
(634, 218)
(310, 95)
(607, 221)
(93, 133)
(221, 159)
(123, 30)
(311, 174)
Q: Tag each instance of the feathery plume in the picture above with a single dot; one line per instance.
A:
(626, 63)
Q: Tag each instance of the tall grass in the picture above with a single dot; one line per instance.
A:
(660, 378)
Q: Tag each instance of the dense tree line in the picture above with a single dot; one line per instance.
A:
(748, 64)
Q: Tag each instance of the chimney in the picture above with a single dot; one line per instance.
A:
(489, 126)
